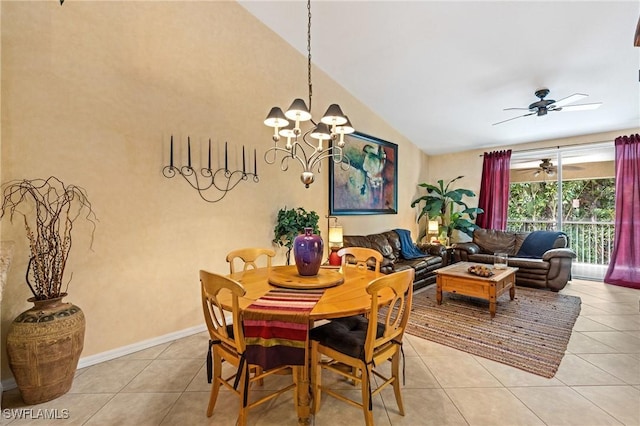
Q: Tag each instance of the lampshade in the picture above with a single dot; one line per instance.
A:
(345, 128)
(276, 118)
(334, 115)
(287, 131)
(321, 132)
(433, 227)
(335, 235)
(298, 111)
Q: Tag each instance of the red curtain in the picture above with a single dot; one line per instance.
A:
(624, 266)
(494, 190)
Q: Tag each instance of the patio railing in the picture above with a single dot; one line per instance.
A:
(592, 241)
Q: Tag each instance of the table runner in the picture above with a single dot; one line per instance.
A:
(276, 327)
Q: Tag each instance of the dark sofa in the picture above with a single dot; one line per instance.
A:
(388, 244)
(551, 269)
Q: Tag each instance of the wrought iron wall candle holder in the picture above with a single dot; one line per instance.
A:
(210, 181)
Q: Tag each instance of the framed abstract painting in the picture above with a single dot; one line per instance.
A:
(366, 181)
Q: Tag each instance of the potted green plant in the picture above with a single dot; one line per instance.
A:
(44, 343)
(290, 223)
(439, 203)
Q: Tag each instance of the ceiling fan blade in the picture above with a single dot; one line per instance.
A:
(580, 107)
(509, 109)
(568, 100)
(509, 119)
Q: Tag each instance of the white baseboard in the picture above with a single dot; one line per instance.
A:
(122, 351)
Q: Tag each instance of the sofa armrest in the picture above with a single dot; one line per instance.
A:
(558, 252)
(469, 248)
(433, 249)
(462, 251)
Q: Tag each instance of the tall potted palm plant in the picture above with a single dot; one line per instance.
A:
(439, 204)
(44, 343)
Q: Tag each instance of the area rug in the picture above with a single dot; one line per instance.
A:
(530, 333)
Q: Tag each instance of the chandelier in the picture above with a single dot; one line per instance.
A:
(332, 128)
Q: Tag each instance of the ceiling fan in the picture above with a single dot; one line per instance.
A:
(548, 168)
(542, 106)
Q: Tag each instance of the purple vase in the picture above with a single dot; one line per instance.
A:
(308, 250)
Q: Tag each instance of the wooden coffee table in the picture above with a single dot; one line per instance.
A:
(457, 279)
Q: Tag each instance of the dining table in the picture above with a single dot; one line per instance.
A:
(344, 294)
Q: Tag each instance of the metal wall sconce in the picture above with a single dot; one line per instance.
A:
(221, 180)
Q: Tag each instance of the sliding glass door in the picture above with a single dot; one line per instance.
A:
(571, 190)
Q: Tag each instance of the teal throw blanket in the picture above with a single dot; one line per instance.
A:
(407, 247)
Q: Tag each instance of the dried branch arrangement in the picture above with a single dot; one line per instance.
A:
(49, 209)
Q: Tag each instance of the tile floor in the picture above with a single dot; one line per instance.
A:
(598, 383)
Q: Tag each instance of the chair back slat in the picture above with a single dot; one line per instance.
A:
(395, 313)
(212, 285)
(249, 256)
(360, 256)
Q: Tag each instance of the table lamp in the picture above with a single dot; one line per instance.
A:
(335, 242)
(432, 229)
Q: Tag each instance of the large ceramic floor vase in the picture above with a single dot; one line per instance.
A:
(308, 249)
(43, 348)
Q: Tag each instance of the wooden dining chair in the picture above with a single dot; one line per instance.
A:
(362, 345)
(227, 344)
(249, 256)
(360, 257)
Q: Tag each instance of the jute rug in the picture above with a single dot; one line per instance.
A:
(530, 333)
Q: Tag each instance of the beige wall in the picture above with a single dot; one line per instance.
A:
(92, 91)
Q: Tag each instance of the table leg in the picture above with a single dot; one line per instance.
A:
(439, 293)
(303, 386)
(492, 300)
(302, 395)
(512, 291)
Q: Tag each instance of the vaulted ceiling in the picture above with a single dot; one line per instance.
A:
(441, 72)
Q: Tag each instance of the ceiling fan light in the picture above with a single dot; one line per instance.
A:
(298, 111)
